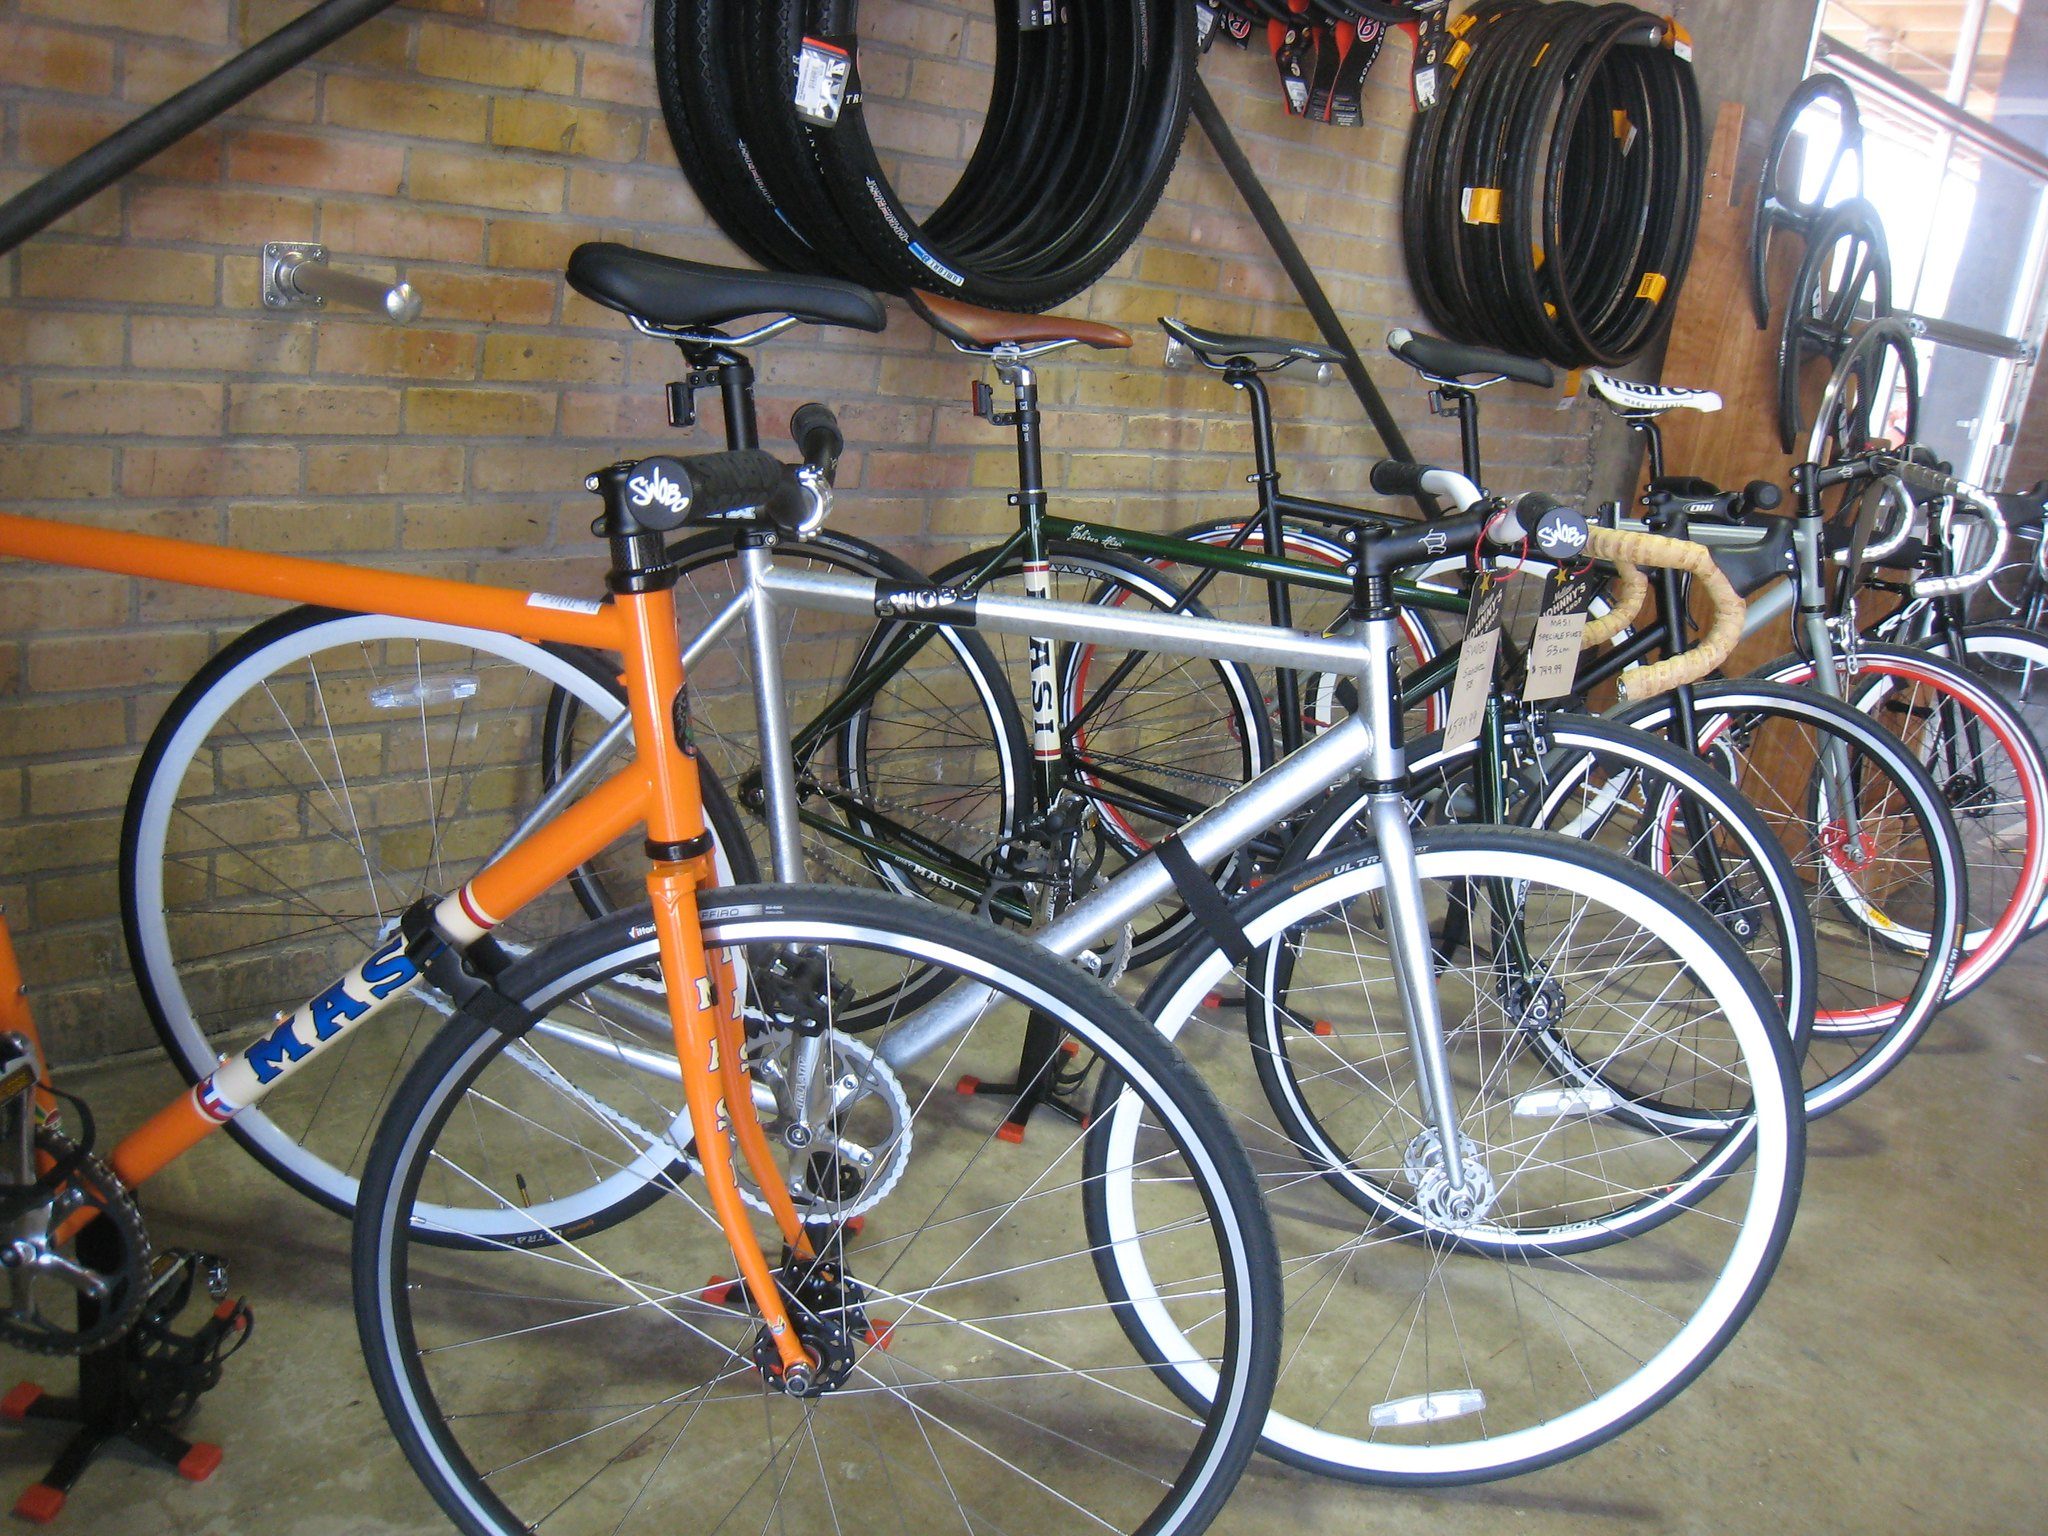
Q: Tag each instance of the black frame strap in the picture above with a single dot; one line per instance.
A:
(1207, 904)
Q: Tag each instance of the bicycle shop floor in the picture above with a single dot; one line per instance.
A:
(1895, 1378)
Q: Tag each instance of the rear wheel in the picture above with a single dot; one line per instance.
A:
(321, 774)
(1991, 776)
(1148, 739)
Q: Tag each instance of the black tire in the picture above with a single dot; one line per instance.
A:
(402, 1304)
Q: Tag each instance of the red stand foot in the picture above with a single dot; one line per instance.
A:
(199, 1463)
(855, 1223)
(19, 1400)
(39, 1503)
(719, 1292)
(1323, 1027)
(1014, 1134)
(968, 1086)
(879, 1334)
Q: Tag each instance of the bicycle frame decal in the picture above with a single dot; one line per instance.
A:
(383, 977)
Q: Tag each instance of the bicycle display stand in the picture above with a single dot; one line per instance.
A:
(134, 1390)
(1045, 1077)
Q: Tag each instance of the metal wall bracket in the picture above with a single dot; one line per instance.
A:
(296, 276)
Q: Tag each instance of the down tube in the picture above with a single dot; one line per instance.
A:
(384, 976)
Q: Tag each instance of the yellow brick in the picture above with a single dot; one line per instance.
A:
(116, 274)
(329, 409)
(405, 106)
(115, 661)
(76, 898)
(479, 412)
(323, 529)
(458, 53)
(565, 128)
(604, 21)
(544, 244)
(108, 407)
(37, 470)
(505, 526)
(325, 160)
(239, 346)
(383, 231)
(396, 351)
(490, 181)
(378, 469)
(47, 602)
(63, 338)
(626, 80)
(167, 472)
(48, 60)
(68, 788)
(219, 216)
(196, 19)
(492, 298)
(34, 728)
(552, 358)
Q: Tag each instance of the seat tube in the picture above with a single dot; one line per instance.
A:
(771, 714)
(1808, 546)
(1047, 747)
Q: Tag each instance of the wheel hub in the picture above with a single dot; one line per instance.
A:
(828, 1309)
(1850, 854)
(1532, 1005)
(1440, 1202)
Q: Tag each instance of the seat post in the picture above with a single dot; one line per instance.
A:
(1452, 398)
(736, 393)
(1645, 423)
(1279, 597)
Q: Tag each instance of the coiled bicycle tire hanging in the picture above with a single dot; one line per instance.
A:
(1552, 196)
(1084, 123)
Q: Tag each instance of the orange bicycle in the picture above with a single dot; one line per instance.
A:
(973, 1361)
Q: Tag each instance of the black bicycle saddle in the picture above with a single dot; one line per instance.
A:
(672, 294)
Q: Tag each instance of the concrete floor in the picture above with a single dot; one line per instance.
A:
(1895, 1378)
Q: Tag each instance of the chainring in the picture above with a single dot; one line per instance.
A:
(96, 1187)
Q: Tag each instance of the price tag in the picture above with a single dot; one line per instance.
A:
(824, 69)
(1554, 652)
(1476, 658)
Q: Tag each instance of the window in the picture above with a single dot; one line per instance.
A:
(1952, 96)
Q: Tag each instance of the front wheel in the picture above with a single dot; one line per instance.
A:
(1428, 1346)
(979, 1374)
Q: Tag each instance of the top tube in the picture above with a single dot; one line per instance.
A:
(323, 583)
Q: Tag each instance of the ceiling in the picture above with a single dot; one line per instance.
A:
(1919, 39)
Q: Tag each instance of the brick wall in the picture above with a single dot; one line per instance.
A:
(468, 145)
